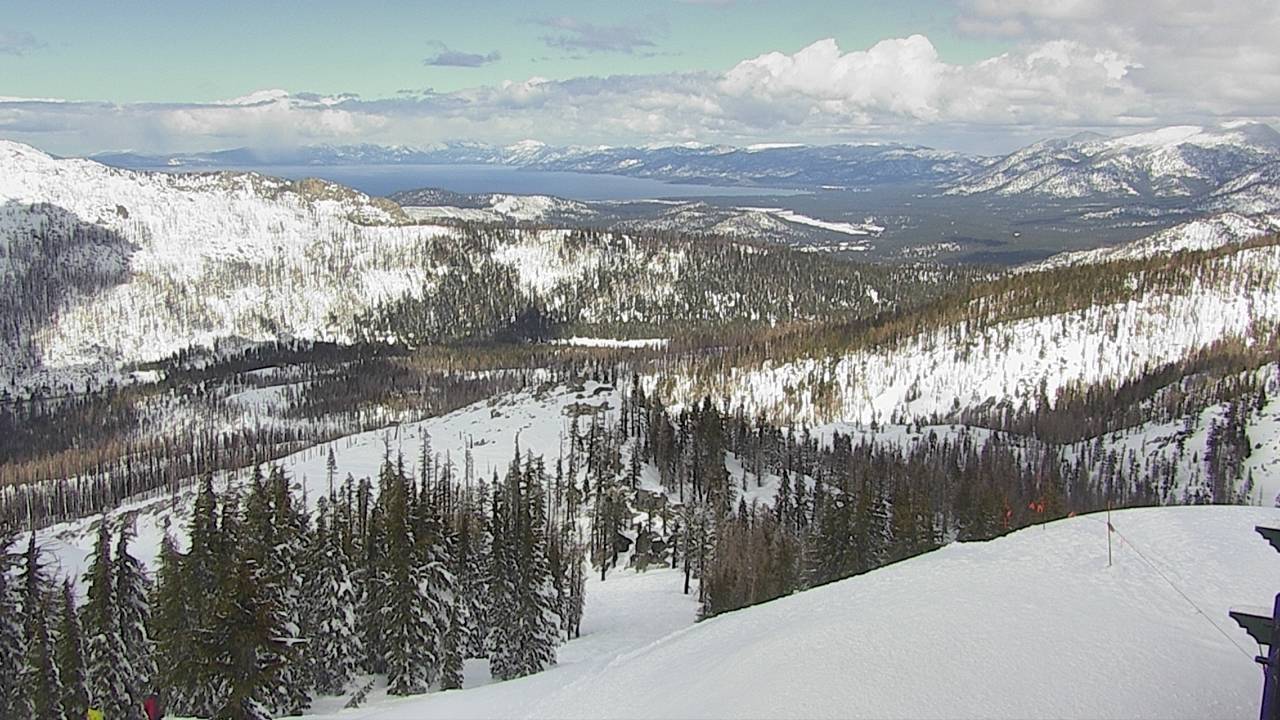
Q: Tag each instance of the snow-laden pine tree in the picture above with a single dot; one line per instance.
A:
(40, 672)
(186, 595)
(108, 665)
(536, 608)
(451, 653)
(471, 572)
(333, 646)
(70, 653)
(411, 635)
(502, 584)
(435, 544)
(575, 601)
(369, 580)
(131, 589)
(284, 566)
(13, 700)
(257, 631)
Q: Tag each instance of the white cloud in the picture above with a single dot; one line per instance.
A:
(1055, 81)
(1059, 82)
(1211, 58)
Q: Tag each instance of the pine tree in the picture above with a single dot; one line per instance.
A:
(537, 611)
(248, 639)
(334, 643)
(14, 702)
(108, 665)
(284, 567)
(244, 655)
(256, 655)
(186, 599)
(131, 590)
(371, 616)
(172, 626)
(451, 665)
(502, 637)
(40, 673)
(70, 654)
(410, 636)
(469, 581)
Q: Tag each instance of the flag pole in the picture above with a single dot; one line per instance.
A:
(1108, 533)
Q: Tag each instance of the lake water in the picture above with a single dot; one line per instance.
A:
(386, 179)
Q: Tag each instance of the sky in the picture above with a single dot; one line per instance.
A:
(82, 76)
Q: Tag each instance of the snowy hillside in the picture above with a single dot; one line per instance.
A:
(107, 267)
(1172, 162)
(1030, 618)
(1253, 192)
(207, 256)
(537, 420)
(1015, 360)
(1205, 233)
(1034, 624)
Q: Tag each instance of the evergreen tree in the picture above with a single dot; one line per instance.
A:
(249, 643)
(451, 665)
(284, 566)
(334, 643)
(109, 670)
(502, 578)
(173, 624)
(70, 653)
(256, 654)
(186, 599)
(469, 581)
(537, 611)
(14, 702)
(131, 589)
(40, 672)
(370, 583)
(410, 634)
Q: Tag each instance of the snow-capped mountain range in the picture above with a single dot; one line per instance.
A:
(1228, 163)
(1180, 162)
(778, 165)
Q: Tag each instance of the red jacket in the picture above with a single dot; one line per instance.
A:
(152, 706)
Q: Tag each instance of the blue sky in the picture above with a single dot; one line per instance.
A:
(187, 51)
(972, 74)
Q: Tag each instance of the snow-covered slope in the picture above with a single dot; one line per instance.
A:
(207, 256)
(1172, 162)
(1021, 359)
(1205, 233)
(536, 420)
(1253, 192)
(1034, 624)
(495, 208)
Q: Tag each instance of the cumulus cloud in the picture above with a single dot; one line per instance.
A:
(1060, 82)
(447, 57)
(1217, 59)
(897, 89)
